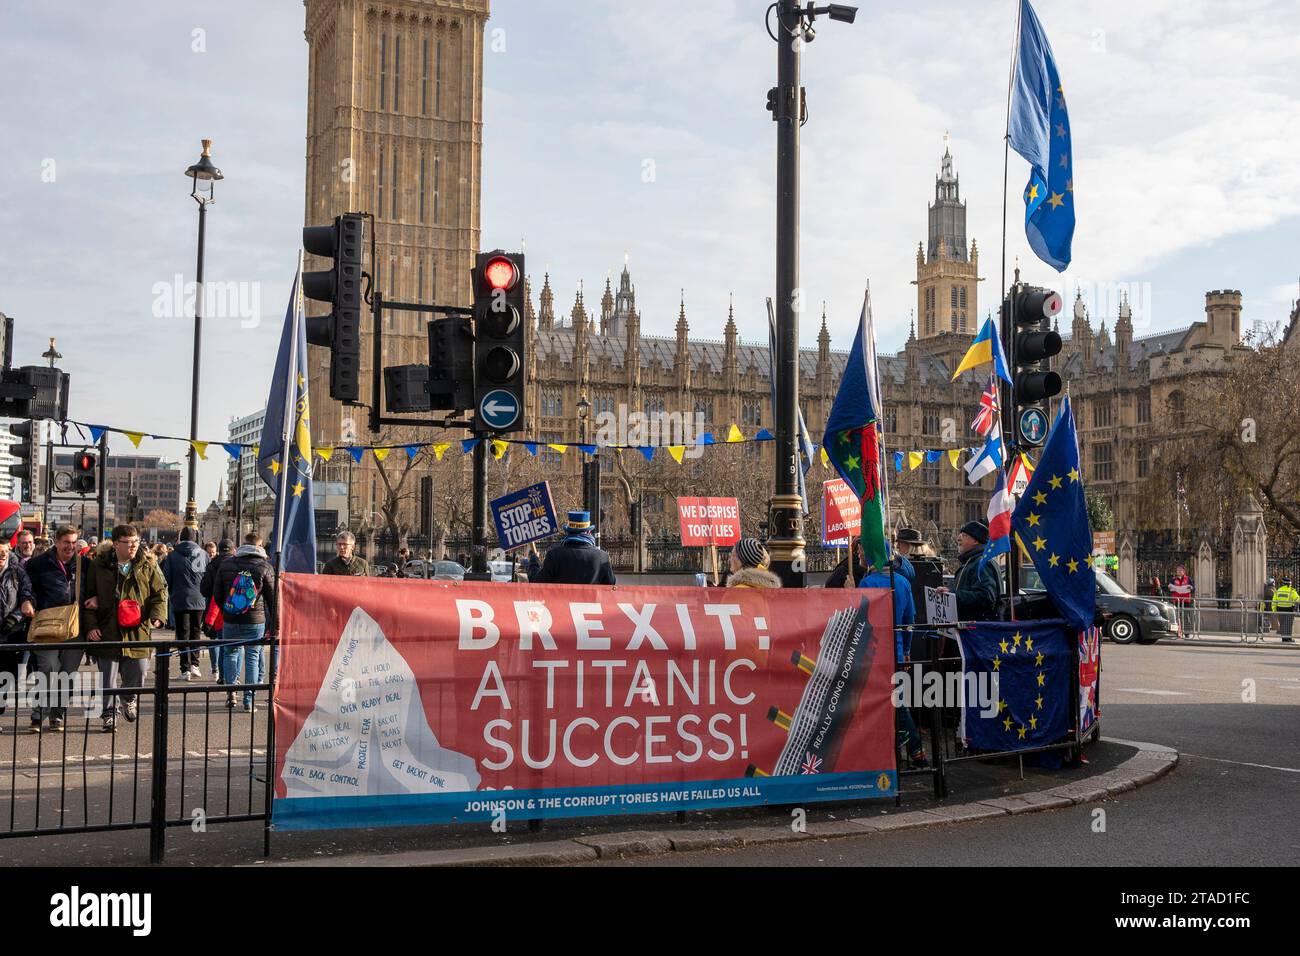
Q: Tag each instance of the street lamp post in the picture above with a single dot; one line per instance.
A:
(201, 172)
(793, 30)
(589, 502)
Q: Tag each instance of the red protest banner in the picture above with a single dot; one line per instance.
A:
(405, 702)
(841, 514)
(707, 521)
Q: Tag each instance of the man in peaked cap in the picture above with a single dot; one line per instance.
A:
(576, 560)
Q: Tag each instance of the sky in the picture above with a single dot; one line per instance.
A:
(633, 130)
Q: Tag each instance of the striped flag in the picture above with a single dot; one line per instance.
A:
(989, 458)
(1000, 508)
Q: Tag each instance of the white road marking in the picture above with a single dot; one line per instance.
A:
(1240, 763)
(1155, 693)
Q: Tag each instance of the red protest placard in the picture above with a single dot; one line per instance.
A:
(414, 702)
(841, 514)
(707, 521)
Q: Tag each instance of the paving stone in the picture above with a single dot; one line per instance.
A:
(633, 843)
(536, 854)
(959, 812)
(1085, 791)
(688, 841)
(1025, 802)
(898, 821)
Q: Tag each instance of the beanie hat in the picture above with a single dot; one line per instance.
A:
(751, 553)
(977, 530)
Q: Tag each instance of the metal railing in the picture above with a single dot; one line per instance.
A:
(180, 761)
(1250, 621)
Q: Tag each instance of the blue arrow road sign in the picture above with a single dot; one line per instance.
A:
(498, 410)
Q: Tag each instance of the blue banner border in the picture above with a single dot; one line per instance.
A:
(399, 810)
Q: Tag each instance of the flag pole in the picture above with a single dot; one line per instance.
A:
(1006, 146)
(286, 424)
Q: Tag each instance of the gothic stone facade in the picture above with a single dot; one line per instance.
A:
(395, 127)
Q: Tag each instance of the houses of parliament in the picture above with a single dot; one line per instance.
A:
(395, 126)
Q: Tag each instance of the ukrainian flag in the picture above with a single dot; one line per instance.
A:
(986, 348)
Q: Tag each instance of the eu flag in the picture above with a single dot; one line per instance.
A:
(1038, 128)
(1028, 663)
(1052, 522)
(285, 456)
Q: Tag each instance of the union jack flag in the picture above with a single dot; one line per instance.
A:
(811, 764)
(989, 411)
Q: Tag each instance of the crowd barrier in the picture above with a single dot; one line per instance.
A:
(1249, 621)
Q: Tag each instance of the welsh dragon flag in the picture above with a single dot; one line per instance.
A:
(853, 439)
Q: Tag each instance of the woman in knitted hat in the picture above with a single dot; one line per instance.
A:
(749, 561)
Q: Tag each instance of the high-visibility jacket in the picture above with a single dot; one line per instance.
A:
(1285, 598)
(1180, 589)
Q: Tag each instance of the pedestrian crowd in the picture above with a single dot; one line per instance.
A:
(117, 594)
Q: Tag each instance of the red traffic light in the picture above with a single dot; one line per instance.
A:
(85, 462)
(501, 274)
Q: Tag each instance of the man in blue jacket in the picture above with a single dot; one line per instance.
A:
(904, 618)
(183, 570)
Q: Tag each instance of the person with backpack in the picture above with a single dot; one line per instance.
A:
(245, 587)
(212, 614)
(183, 571)
(127, 600)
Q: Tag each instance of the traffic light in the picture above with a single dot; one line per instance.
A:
(26, 450)
(1033, 344)
(499, 342)
(85, 468)
(451, 364)
(340, 285)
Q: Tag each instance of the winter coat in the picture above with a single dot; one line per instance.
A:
(977, 589)
(754, 579)
(576, 561)
(143, 582)
(356, 567)
(54, 582)
(1285, 598)
(15, 588)
(183, 570)
(253, 560)
(904, 608)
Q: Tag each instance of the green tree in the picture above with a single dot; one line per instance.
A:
(1100, 515)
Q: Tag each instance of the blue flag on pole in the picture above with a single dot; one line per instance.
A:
(1039, 130)
(1029, 664)
(286, 464)
(1052, 522)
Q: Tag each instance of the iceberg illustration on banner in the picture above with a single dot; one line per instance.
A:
(367, 734)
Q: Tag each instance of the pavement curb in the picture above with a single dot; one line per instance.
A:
(1150, 763)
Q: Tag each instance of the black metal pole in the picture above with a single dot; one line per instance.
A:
(103, 486)
(158, 793)
(239, 498)
(191, 507)
(786, 543)
(480, 507)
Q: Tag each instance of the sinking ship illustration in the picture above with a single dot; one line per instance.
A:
(815, 730)
(367, 734)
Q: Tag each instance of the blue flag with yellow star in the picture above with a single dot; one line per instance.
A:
(287, 463)
(1016, 686)
(1038, 128)
(1052, 522)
